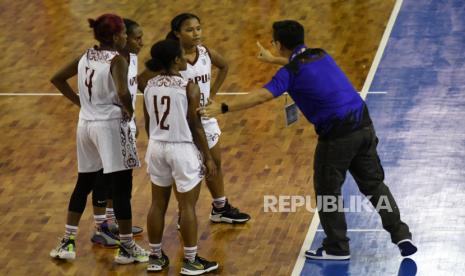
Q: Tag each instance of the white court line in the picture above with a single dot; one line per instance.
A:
(376, 92)
(32, 94)
(140, 94)
(374, 66)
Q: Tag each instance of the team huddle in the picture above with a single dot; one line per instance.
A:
(183, 147)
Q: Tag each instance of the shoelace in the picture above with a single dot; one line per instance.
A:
(137, 249)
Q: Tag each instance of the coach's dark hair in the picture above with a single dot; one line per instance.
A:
(105, 27)
(176, 24)
(130, 25)
(289, 33)
(163, 54)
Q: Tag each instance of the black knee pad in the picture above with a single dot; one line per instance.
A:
(122, 188)
(105, 180)
(100, 191)
(84, 186)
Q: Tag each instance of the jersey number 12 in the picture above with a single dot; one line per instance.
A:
(165, 100)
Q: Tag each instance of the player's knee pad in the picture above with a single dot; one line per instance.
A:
(100, 191)
(122, 187)
(83, 187)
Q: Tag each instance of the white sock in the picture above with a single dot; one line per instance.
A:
(70, 230)
(155, 249)
(190, 253)
(219, 202)
(127, 240)
(99, 219)
(110, 213)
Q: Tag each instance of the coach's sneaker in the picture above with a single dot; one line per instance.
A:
(114, 228)
(406, 247)
(198, 266)
(228, 214)
(135, 254)
(320, 254)
(156, 263)
(65, 250)
(104, 237)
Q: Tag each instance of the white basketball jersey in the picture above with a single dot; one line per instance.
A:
(199, 72)
(97, 91)
(132, 83)
(166, 102)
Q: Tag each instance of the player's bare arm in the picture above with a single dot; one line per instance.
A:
(119, 72)
(60, 80)
(253, 98)
(146, 121)
(198, 133)
(144, 77)
(220, 62)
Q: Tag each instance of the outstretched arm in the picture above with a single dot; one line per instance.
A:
(253, 98)
(60, 80)
(266, 56)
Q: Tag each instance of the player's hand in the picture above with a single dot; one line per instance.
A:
(264, 54)
(211, 110)
(211, 167)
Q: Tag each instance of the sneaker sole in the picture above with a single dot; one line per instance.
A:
(329, 258)
(124, 261)
(137, 231)
(154, 268)
(64, 256)
(198, 272)
(220, 219)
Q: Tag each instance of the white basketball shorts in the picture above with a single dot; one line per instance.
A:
(105, 144)
(169, 162)
(212, 131)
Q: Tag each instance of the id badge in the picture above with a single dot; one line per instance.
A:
(291, 113)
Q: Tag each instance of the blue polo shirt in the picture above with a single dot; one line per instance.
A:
(322, 92)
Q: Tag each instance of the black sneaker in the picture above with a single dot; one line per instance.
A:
(320, 254)
(406, 247)
(157, 264)
(114, 228)
(198, 266)
(228, 214)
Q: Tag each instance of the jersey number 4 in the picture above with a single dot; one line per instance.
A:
(88, 81)
(165, 100)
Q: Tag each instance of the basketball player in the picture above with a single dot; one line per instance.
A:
(346, 137)
(104, 140)
(130, 51)
(176, 134)
(187, 30)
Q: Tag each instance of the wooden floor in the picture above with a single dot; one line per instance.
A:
(260, 156)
